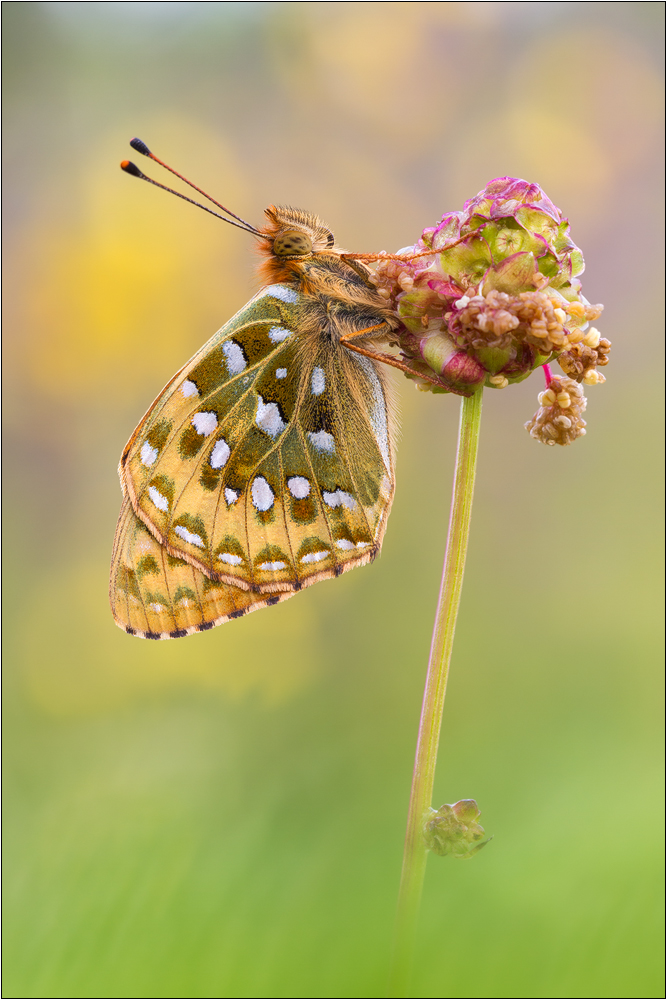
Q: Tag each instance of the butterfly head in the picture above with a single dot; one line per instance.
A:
(293, 238)
(295, 234)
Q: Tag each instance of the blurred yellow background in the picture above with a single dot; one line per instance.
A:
(223, 816)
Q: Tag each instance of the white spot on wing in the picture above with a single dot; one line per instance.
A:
(160, 502)
(233, 560)
(189, 536)
(272, 566)
(157, 608)
(281, 373)
(262, 494)
(345, 544)
(317, 382)
(220, 454)
(148, 454)
(281, 292)
(314, 557)
(234, 356)
(339, 498)
(205, 423)
(279, 333)
(231, 496)
(189, 389)
(299, 487)
(322, 440)
(268, 418)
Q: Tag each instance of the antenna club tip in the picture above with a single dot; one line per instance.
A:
(130, 168)
(140, 147)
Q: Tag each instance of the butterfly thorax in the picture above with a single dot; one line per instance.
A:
(338, 296)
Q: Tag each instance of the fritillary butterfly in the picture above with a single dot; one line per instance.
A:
(266, 464)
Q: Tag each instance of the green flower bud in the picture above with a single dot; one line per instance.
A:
(453, 830)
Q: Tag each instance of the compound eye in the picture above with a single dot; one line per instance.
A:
(330, 239)
(292, 244)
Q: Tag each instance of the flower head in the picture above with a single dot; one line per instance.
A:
(491, 293)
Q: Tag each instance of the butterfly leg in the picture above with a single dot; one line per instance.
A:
(387, 359)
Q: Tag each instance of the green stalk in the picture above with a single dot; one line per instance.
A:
(415, 852)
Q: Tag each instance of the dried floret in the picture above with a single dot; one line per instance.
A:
(559, 419)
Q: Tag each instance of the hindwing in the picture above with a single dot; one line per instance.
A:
(265, 464)
(155, 595)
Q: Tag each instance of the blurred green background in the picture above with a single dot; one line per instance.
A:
(223, 816)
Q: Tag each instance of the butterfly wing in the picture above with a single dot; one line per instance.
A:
(157, 596)
(266, 462)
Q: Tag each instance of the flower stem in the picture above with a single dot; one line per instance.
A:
(415, 852)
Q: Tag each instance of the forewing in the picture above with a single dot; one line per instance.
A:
(157, 596)
(266, 462)
(176, 467)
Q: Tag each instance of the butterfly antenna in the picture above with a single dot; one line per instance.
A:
(142, 148)
(131, 168)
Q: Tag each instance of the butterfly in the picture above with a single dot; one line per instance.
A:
(267, 462)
